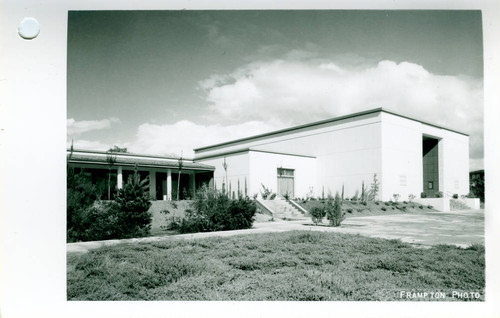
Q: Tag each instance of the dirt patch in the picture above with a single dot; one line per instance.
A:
(175, 209)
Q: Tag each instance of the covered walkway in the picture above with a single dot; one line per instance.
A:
(163, 172)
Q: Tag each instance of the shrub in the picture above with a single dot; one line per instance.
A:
(334, 211)
(80, 195)
(377, 203)
(134, 202)
(214, 211)
(363, 191)
(429, 206)
(272, 196)
(375, 186)
(364, 203)
(423, 195)
(396, 197)
(421, 207)
(411, 197)
(242, 213)
(471, 195)
(349, 210)
(387, 203)
(102, 221)
(355, 197)
(455, 196)
(438, 194)
(317, 214)
(265, 192)
(310, 194)
(384, 208)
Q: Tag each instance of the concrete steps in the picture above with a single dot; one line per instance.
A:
(282, 209)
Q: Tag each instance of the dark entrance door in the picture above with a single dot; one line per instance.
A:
(430, 151)
(285, 182)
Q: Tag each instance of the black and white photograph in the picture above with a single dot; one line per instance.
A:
(298, 128)
(263, 156)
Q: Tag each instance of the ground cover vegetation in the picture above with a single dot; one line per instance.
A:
(368, 208)
(296, 265)
(362, 203)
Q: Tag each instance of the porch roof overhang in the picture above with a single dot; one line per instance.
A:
(101, 158)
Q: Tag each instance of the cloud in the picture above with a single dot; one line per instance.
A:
(171, 139)
(88, 145)
(300, 90)
(76, 128)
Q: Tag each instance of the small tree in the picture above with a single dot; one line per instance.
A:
(375, 186)
(317, 214)
(342, 191)
(239, 190)
(363, 191)
(224, 165)
(334, 211)
(117, 149)
(355, 197)
(80, 195)
(246, 190)
(134, 202)
(179, 166)
(111, 160)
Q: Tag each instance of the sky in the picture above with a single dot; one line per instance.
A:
(166, 82)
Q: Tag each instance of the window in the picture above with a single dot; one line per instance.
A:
(402, 180)
(285, 172)
(431, 185)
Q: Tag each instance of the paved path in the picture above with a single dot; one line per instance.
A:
(461, 228)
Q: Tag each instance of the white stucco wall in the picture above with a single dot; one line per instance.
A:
(455, 152)
(264, 166)
(237, 170)
(352, 156)
(402, 170)
(309, 141)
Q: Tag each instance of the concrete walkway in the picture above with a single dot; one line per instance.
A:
(460, 228)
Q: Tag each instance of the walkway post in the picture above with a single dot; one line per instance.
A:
(192, 184)
(169, 184)
(119, 178)
(152, 184)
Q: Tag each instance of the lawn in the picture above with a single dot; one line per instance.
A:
(293, 265)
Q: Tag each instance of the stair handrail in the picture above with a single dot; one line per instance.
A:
(300, 208)
(265, 206)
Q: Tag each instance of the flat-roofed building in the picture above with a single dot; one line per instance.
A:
(409, 156)
(162, 172)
